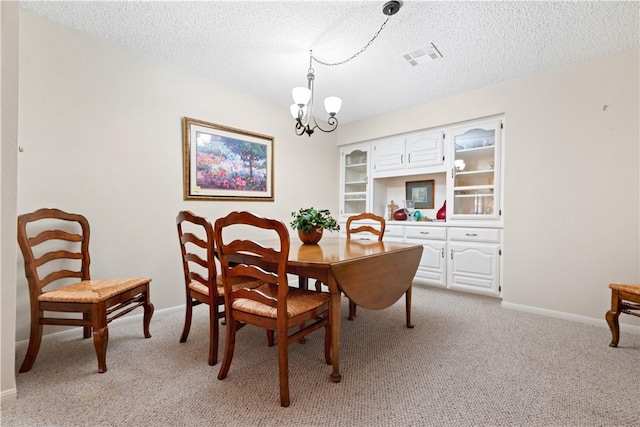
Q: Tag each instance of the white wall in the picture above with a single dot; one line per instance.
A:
(101, 131)
(572, 186)
(9, 16)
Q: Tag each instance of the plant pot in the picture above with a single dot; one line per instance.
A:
(312, 237)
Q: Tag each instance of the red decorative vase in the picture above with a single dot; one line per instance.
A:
(442, 213)
(400, 215)
(312, 237)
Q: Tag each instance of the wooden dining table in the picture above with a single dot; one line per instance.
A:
(372, 274)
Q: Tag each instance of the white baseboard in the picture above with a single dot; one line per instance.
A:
(9, 395)
(633, 329)
(20, 345)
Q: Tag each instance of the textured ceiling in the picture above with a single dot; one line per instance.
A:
(263, 47)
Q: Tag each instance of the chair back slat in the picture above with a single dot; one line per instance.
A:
(56, 255)
(190, 257)
(192, 238)
(58, 275)
(250, 247)
(197, 277)
(54, 235)
(353, 227)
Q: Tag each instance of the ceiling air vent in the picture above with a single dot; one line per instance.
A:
(422, 55)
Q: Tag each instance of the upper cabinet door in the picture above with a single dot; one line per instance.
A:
(425, 149)
(388, 154)
(474, 182)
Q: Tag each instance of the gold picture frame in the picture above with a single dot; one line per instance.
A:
(225, 163)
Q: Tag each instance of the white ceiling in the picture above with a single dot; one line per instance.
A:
(263, 47)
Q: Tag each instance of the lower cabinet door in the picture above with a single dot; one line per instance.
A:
(474, 267)
(432, 268)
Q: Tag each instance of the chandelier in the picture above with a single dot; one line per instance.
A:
(302, 107)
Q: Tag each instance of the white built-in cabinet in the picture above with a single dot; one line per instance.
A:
(465, 251)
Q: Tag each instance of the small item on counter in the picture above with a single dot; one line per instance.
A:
(400, 215)
(442, 213)
(392, 208)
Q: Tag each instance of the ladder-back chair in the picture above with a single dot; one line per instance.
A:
(273, 305)
(53, 243)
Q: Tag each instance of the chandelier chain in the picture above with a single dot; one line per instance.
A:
(333, 64)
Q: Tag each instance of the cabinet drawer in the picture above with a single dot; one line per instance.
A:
(431, 233)
(491, 235)
(393, 231)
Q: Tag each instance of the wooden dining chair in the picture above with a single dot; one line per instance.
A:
(624, 299)
(55, 248)
(354, 226)
(203, 285)
(273, 305)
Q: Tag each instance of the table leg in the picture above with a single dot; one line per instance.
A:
(335, 329)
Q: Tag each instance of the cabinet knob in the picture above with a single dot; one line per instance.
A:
(424, 232)
(471, 234)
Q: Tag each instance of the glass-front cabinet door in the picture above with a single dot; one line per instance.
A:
(475, 179)
(354, 179)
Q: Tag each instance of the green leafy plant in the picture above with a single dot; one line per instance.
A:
(308, 218)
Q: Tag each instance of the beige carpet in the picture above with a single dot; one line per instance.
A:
(467, 362)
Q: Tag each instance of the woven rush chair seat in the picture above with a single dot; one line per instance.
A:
(298, 302)
(92, 291)
(237, 283)
(625, 298)
(55, 247)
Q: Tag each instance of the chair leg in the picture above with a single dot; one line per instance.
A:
(100, 335)
(35, 339)
(86, 330)
(270, 340)
(327, 343)
(229, 347)
(352, 309)
(148, 313)
(612, 318)
(213, 334)
(407, 297)
(187, 319)
(283, 366)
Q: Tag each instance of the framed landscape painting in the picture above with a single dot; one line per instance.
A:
(223, 163)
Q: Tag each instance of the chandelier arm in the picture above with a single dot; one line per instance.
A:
(332, 122)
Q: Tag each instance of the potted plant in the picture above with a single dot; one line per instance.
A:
(311, 222)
